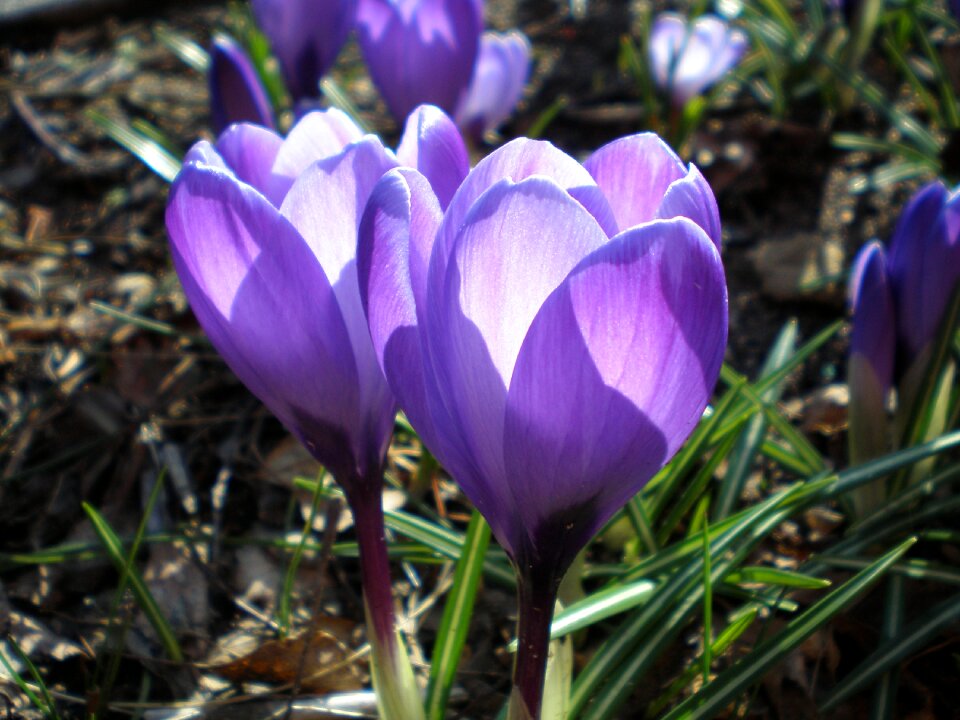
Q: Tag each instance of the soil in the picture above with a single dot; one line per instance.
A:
(92, 404)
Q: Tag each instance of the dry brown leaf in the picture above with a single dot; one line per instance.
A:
(329, 664)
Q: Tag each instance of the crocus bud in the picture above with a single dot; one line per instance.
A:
(420, 51)
(686, 58)
(872, 346)
(499, 77)
(306, 36)
(924, 266)
(236, 93)
(553, 335)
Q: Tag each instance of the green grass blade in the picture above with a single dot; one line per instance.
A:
(184, 48)
(148, 151)
(45, 701)
(775, 577)
(895, 650)
(457, 611)
(744, 453)
(131, 576)
(711, 699)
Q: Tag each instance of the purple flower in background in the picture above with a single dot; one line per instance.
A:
(263, 232)
(686, 59)
(236, 93)
(870, 366)
(955, 8)
(420, 51)
(553, 335)
(874, 336)
(924, 267)
(306, 36)
(499, 77)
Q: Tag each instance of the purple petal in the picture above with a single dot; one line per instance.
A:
(500, 75)
(396, 236)
(667, 37)
(263, 299)
(236, 93)
(499, 274)
(612, 377)
(419, 51)
(634, 174)
(874, 322)
(250, 151)
(692, 197)
(432, 144)
(924, 265)
(306, 36)
(325, 205)
(518, 160)
(316, 136)
(686, 63)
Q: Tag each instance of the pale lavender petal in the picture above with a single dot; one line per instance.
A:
(306, 36)
(612, 377)
(499, 77)
(236, 93)
(874, 319)
(667, 38)
(634, 174)
(263, 299)
(250, 151)
(316, 136)
(325, 205)
(686, 60)
(419, 51)
(203, 154)
(515, 246)
(518, 160)
(693, 198)
(396, 235)
(712, 49)
(432, 145)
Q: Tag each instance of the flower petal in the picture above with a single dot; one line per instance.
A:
(692, 197)
(518, 160)
(419, 51)
(432, 144)
(611, 379)
(874, 321)
(263, 299)
(250, 151)
(316, 136)
(634, 174)
(515, 246)
(325, 205)
(306, 36)
(236, 93)
(396, 234)
(500, 75)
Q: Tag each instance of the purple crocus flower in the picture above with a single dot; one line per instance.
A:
(263, 232)
(870, 366)
(236, 93)
(924, 266)
(553, 335)
(420, 51)
(306, 36)
(499, 77)
(687, 58)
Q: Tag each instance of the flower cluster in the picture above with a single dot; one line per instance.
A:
(552, 330)
(899, 299)
(417, 51)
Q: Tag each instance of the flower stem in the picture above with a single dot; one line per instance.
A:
(398, 697)
(537, 596)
